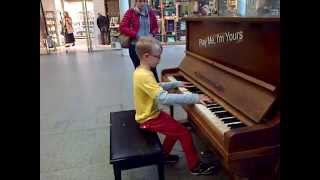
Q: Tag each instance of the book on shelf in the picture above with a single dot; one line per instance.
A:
(183, 25)
(183, 10)
(170, 26)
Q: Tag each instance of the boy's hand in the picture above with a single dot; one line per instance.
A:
(204, 99)
(185, 84)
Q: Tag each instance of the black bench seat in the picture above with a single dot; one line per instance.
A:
(132, 147)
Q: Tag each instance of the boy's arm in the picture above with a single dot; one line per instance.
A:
(170, 85)
(166, 98)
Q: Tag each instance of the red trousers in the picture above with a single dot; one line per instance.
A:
(174, 131)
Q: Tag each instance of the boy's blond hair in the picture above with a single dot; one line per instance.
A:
(147, 45)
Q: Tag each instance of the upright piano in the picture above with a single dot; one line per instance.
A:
(236, 62)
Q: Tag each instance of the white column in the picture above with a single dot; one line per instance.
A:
(123, 7)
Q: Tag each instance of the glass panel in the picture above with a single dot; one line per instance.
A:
(88, 25)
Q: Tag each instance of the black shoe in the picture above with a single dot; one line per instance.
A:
(171, 159)
(203, 169)
(73, 44)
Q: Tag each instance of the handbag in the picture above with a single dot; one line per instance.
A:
(124, 40)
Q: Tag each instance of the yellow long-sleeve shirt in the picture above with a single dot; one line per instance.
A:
(145, 91)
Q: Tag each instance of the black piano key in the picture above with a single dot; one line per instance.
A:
(199, 92)
(216, 109)
(233, 126)
(210, 106)
(230, 120)
(192, 89)
(180, 78)
(223, 114)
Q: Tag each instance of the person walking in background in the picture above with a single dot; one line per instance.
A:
(67, 23)
(138, 22)
(103, 25)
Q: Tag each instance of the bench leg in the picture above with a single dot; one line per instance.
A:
(117, 172)
(161, 171)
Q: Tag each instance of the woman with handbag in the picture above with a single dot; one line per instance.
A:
(137, 22)
(68, 29)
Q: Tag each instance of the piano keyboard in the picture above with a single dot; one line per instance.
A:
(216, 114)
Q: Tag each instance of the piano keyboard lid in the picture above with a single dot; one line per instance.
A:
(252, 100)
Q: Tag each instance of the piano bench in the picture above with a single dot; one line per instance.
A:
(132, 147)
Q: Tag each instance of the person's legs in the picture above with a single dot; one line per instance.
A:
(134, 57)
(66, 38)
(103, 41)
(174, 131)
(72, 39)
(108, 37)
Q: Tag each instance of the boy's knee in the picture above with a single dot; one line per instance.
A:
(185, 132)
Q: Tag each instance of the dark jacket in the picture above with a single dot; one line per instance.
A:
(103, 23)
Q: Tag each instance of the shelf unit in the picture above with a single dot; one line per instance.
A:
(52, 28)
(80, 26)
(43, 32)
(169, 15)
(114, 30)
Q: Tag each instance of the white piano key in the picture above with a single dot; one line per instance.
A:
(233, 123)
(212, 118)
(226, 118)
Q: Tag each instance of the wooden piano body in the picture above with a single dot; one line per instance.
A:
(236, 62)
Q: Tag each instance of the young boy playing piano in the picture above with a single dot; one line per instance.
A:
(148, 94)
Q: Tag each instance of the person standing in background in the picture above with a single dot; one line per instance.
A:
(67, 23)
(138, 22)
(103, 25)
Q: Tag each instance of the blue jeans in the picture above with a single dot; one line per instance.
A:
(136, 61)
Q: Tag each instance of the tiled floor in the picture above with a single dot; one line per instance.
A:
(78, 91)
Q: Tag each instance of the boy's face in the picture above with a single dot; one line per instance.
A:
(153, 59)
